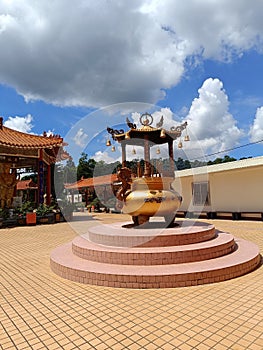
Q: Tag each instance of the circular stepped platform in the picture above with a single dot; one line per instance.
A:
(154, 234)
(222, 244)
(148, 260)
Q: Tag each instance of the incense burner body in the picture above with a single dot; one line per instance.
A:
(152, 196)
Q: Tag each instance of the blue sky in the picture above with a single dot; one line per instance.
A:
(196, 60)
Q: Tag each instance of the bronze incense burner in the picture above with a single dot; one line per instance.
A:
(150, 192)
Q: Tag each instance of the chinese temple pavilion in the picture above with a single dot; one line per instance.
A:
(35, 153)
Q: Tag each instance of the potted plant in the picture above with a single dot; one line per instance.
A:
(97, 205)
(25, 214)
(56, 210)
(8, 218)
(58, 215)
(45, 214)
(80, 207)
(21, 213)
(31, 218)
(21, 219)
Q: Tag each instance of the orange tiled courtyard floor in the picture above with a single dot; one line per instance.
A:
(40, 310)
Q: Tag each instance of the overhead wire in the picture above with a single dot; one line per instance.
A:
(230, 149)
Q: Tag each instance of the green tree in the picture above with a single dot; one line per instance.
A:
(70, 172)
(197, 163)
(103, 168)
(181, 164)
(245, 158)
(85, 167)
(218, 160)
(227, 159)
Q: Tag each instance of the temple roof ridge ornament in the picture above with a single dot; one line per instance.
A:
(130, 124)
(146, 119)
(156, 134)
(51, 135)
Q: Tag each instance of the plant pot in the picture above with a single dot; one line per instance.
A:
(46, 219)
(9, 222)
(21, 221)
(58, 217)
(1, 222)
(31, 218)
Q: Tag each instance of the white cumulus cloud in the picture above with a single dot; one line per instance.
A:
(23, 124)
(104, 156)
(256, 130)
(210, 121)
(96, 53)
(80, 138)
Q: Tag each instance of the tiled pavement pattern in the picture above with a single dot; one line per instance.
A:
(39, 310)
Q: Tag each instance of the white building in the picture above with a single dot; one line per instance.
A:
(233, 189)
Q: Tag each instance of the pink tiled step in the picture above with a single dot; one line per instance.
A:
(243, 260)
(222, 244)
(187, 232)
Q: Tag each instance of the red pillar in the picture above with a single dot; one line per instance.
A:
(40, 178)
(48, 182)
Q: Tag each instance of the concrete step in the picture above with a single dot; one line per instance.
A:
(222, 244)
(154, 234)
(244, 259)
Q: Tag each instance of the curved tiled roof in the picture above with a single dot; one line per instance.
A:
(26, 184)
(93, 181)
(13, 138)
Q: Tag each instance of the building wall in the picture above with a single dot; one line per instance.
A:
(236, 190)
(183, 186)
